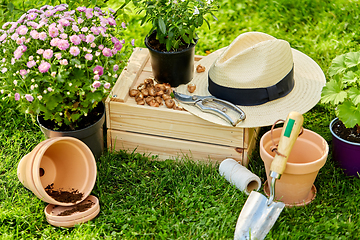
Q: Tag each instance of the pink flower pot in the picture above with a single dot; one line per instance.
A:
(308, 155)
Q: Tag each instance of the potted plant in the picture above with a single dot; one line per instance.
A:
(342, 92)
(172, 38)
(59, 65)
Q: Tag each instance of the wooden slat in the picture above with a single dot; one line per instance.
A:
(172, 123)
(169, 148)
(130, 73)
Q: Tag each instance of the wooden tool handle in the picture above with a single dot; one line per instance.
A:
(289, 134)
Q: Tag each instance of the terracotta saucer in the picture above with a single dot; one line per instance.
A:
(69, 216)
(309, 199)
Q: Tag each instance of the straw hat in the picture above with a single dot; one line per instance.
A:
(262, 75)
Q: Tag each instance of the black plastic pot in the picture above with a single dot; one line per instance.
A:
(92, 136)
(175, 68)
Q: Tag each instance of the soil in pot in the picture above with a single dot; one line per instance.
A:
(78, 208)
(161, 47)
(64, 196)
(92, 117)
(348, 134)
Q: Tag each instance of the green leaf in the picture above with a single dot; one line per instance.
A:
(333, 93)
(352, 59)
(337, 65)
(53, 101)
(162, 26)
(349, 77)
(168, 44)
(75, 61)
(354, 95)
(348, 113)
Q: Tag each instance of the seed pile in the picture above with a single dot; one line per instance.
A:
(153, 94)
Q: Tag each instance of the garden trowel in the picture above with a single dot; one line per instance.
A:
(259, 213)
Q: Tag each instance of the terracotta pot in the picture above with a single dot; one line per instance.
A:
(346, 153)
(308, 155)
(92, 136)
(175, 68)
(65, 162)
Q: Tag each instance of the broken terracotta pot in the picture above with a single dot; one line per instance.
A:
(61, 164)
(62, 171)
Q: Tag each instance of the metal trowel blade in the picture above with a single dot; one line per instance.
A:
(256, 217)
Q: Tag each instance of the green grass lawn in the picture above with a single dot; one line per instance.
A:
(142, 198)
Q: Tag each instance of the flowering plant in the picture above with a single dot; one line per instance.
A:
(60, 63)
(175, 21)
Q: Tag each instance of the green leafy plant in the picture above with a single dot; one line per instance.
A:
(342, 91)
(175, 21)
(60, 63)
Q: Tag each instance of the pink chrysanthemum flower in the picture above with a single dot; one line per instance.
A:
(64, 62)
(116, 67)
(107, 52)
(53, 31)
(31, 64)
(118, 46)
(17, 96)
(89, 13)
(63, 36)
(3, 37)
(99, 70)
(18, 53)
(81, 9)
(63, 44)
(58, 55)
(96, 84)
(88, 57)
(107, 85)
(48, 53)
(64, 22)
(29, 97)
(95, 30)
(90, 38)
(111, 21)
(44, 67)
(34, 34)
(75, 28)
(22, 30)
(32, 16)
(23, 72)
(74, 51)
(82, 37)
(42, 36)
(75, 39)
(40, 51)
(54, 42)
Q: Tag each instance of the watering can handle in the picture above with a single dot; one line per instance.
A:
(289, 134)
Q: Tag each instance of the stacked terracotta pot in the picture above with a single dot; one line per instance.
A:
(62, 172)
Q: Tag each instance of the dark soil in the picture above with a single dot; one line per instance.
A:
(83, 122)
(161, 47)
(349, 134)
(78, 208)
(64, 196)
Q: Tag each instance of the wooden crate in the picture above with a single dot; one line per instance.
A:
(165, 132)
